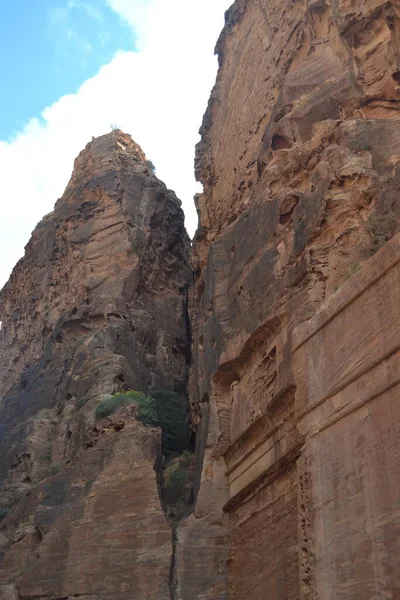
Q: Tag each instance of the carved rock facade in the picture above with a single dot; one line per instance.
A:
(300, 162)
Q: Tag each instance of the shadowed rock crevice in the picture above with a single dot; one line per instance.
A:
(173, 575)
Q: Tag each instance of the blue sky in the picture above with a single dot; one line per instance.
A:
(49, 48)
(71, 68)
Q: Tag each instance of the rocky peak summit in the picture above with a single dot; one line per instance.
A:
(104, 154)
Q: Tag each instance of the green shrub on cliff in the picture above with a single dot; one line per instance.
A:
(147, 412)
(177, 477)
(164, 408)
(169, 411)
(150, 165)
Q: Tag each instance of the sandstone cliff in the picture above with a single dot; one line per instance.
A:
(300, 163)
(295, 373)
(97, 305)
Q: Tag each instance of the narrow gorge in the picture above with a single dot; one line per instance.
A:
(220, 420)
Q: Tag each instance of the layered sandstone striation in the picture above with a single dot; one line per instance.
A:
(300, 163)
(97, 305)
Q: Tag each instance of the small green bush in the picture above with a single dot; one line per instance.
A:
(164, 408)
(175, 475)
(169, 411)
(176, 478)
(147, 412)
(150, 165)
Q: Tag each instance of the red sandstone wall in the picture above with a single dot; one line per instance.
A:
(299, 159)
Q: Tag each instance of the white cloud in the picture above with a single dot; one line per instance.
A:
(134, 12)
(158, 95)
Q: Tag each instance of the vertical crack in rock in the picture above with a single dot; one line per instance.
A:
(173, 575)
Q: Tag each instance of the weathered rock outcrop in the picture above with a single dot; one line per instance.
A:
(300, 162)
(97, 305)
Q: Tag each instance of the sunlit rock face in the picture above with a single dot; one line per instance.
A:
(98, 304)
(300, 163)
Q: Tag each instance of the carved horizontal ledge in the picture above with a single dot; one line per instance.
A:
(351, 341)
(366, 374)
(263, 423)
(382, 378)
(276, 470)
(373, 270)
(261, 459)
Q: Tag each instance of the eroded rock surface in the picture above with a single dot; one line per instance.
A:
(300, 162)
(98, 304)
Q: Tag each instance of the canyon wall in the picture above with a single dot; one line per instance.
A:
(97, 305)
(294, 333)
(295, 310)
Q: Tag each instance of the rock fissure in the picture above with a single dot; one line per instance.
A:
(173, 575)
